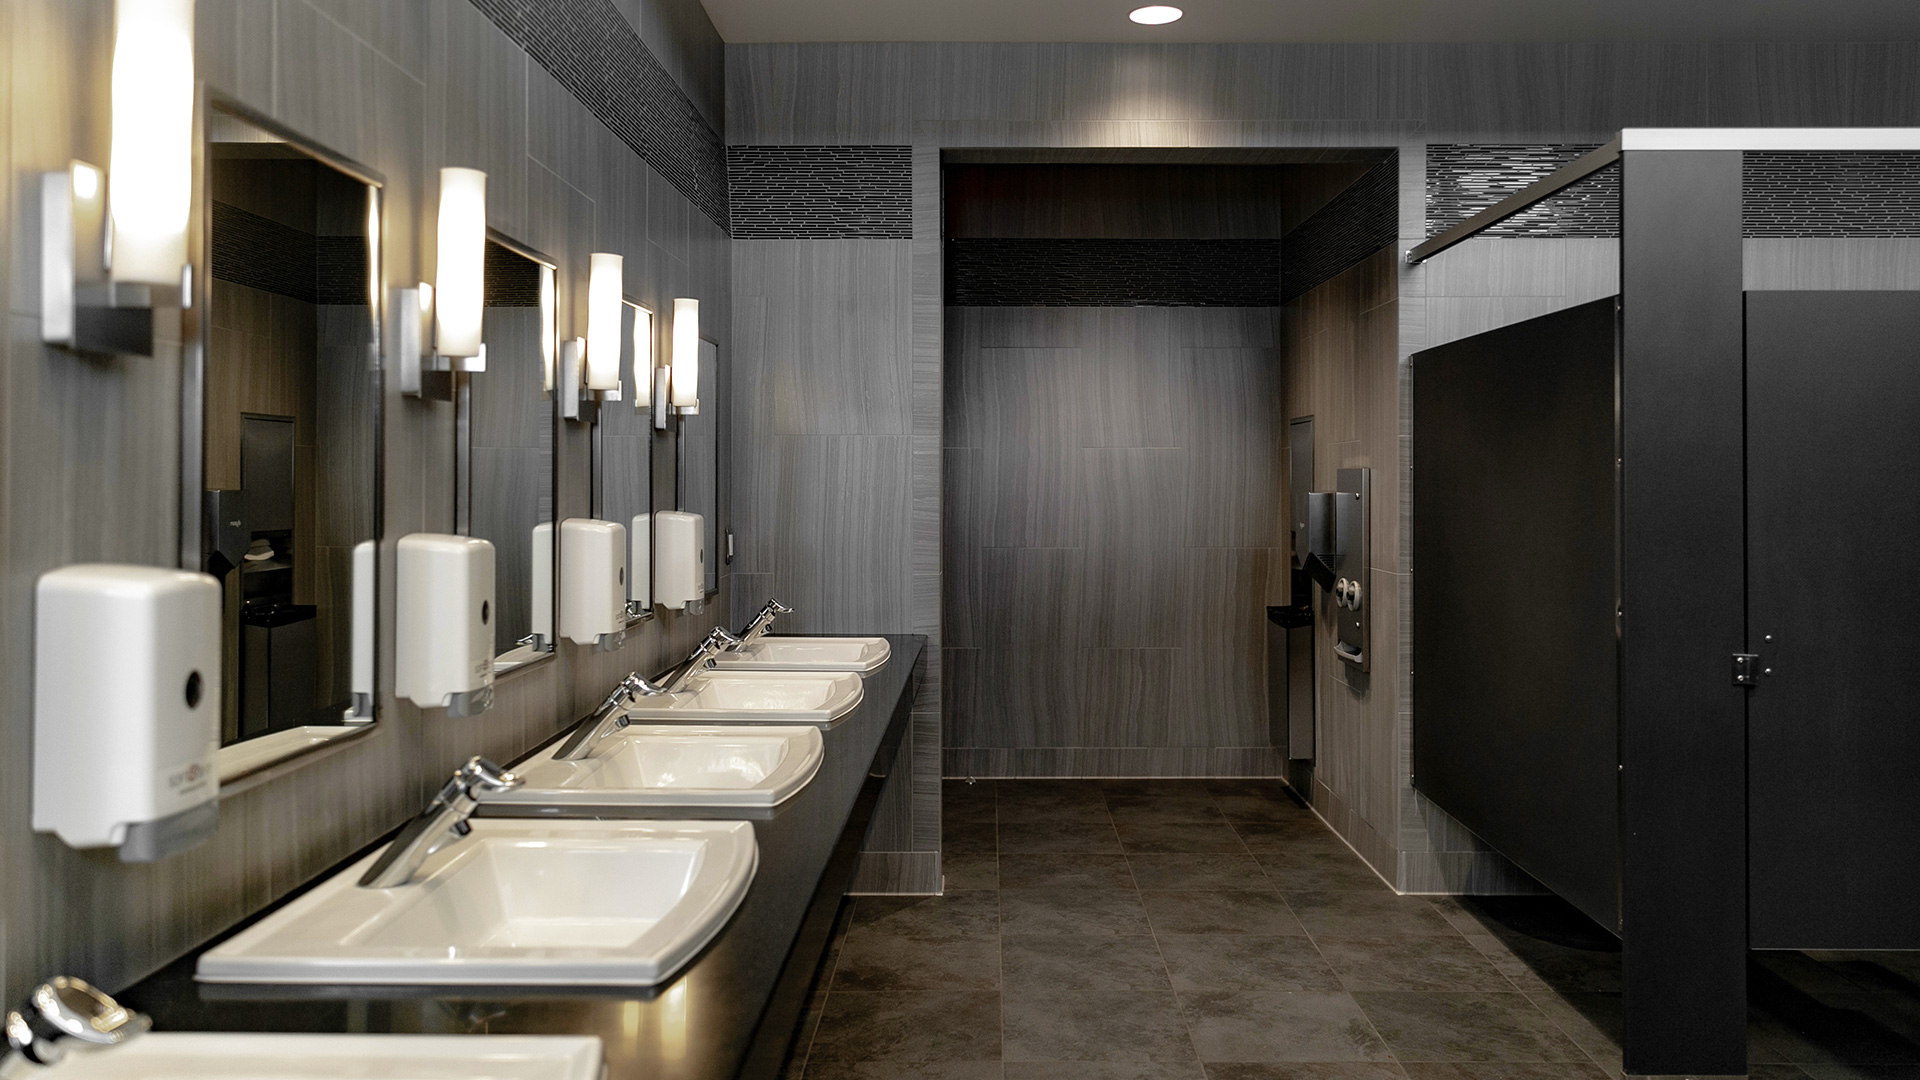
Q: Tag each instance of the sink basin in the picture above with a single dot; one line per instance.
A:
(243, 1056)
(676, 766)
(861, 654)
(753, 697)
(515, 903)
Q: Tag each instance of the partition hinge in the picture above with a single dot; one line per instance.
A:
(1746, 669)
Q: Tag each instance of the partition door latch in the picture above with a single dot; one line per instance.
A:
(1746, 669)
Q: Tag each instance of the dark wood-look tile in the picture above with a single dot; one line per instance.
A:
(1206, 962)
(1043, 963)
(1096, 1026)
(1221, 912)
(1466, 1027)
(1301, 1025)
(1126, 694)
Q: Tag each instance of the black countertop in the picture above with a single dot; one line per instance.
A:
(729, 1013)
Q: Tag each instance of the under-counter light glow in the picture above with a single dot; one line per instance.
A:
(549, 329)
(460, 279)
(605, 283)
(150, 176)
(642, 358)
(685, 384)
(1155, 15)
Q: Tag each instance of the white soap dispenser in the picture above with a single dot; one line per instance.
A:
(593, 583)
(542, 586)
(365, 631)
(640, 563)
(680, 559)
(126, 708)
(443, 615)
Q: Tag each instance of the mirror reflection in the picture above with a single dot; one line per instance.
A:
(700, 465)
(623, 455)
(291, 415)
(504, 432)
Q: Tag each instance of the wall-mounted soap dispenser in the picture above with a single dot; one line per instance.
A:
(680, 560)
(639, 581)
(443, 616)
(542, 587)
(593, 583)
(364, 633)
(126, 708)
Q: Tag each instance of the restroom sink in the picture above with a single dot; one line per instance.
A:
(675, 766)
(246, 1056)
(751, 697)
(515, 903)
(862, 654)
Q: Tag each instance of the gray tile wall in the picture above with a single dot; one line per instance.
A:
(89, 446)
(1111, 519)
(1400, 97)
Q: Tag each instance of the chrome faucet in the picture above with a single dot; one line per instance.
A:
(65, 1008)
(441, 823)
(611, 717)
(757, 629)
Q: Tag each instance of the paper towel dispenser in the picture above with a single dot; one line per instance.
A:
(1338, 553)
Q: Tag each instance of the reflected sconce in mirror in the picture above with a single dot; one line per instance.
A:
(643, 369)
(572, 358)
(683, 373)
(113, 246)
(549, 330)
(605, 284)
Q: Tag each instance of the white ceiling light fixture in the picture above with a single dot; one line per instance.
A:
(1155, 15)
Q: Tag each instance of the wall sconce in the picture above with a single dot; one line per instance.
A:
(549, 329)
(684, 387)
(605, 286)
(114, 246)
(460, 277)
(642, 358)
(572, 358)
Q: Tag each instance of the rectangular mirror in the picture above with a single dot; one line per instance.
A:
(700, 465)
(504, 424)
(288, 397)
(623, 455)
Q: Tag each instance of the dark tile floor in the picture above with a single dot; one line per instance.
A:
(1216, 930)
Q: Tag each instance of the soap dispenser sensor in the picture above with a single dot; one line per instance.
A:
(126, 708)
(443, 649)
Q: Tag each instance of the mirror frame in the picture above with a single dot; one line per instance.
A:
(463, 448)
(240, 772)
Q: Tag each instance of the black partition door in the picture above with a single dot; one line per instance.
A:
(1833, 605)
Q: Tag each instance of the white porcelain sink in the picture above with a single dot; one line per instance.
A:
(245, 1056)
(676, 766)
(515, 903)
(861, 654)
(755, 697)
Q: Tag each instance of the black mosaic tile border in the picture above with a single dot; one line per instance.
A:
(1822, 194)
(1112, 273)
(1356, 223)
(509, 279)
(820, 192)
(1466, 178)
(263, 254)
(594, 52)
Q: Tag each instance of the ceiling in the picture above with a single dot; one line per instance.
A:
(1319, 20)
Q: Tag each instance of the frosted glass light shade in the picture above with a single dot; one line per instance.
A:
(605, 283)
(685, 384)
(150, 176)
(460, 285)
(642, 358)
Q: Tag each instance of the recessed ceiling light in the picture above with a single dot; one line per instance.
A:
(1155, 15)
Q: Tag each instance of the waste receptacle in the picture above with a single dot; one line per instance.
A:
(1290, 679)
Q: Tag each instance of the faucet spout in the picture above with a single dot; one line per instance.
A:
(441, 823)
(757, 629)
(610, 718)
(65, 1008)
